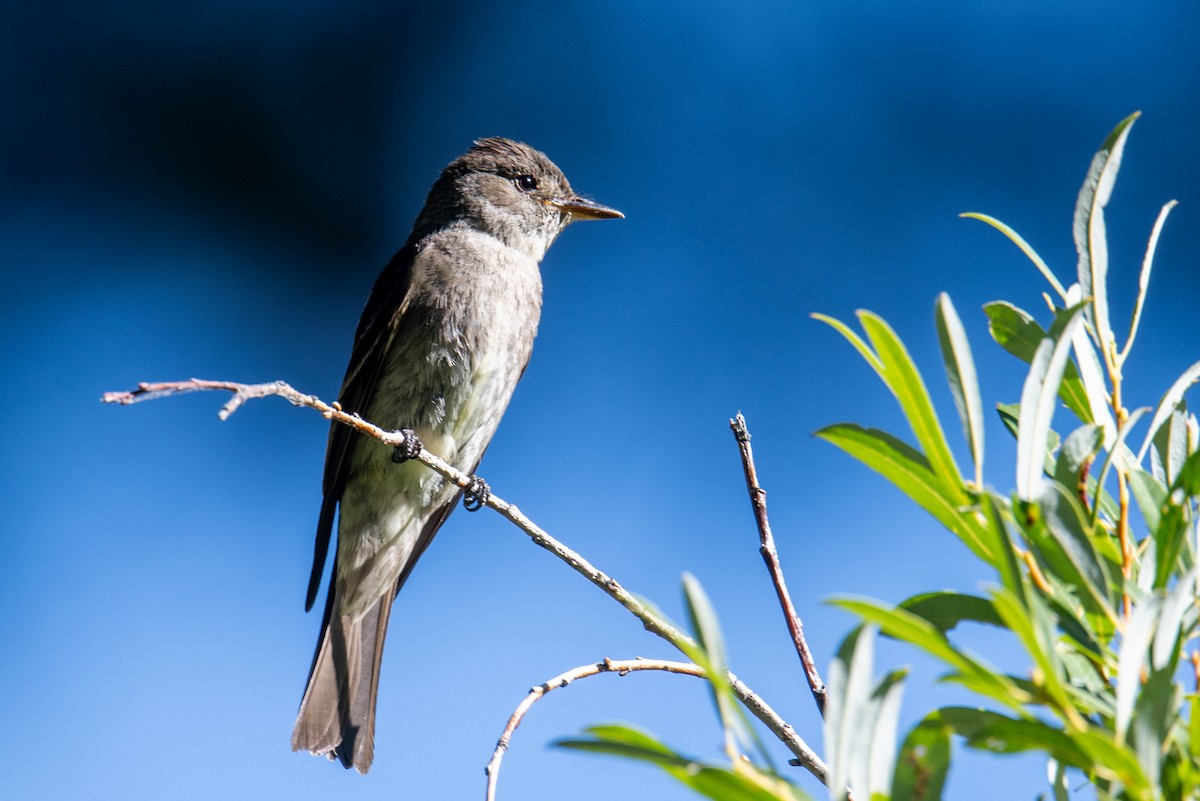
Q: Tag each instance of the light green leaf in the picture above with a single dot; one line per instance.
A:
(1030, 622)
(1065, 543)
(855, 340)
(964, 384)
(711, 781)
(1138, 634)
(1019, 334)
(1144, 279)
(912, 629)
(1024, 246)
(707, 631)
(1175, 521)
(1118, 450)
(1150, 497)
(1091, 373)
(1037, 406)
(1113, 760)
(909, 470)
(1091, 241)
(1167, 404)
(903, 379)
(1170, 449)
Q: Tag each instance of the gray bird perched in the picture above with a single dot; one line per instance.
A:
(443, 339)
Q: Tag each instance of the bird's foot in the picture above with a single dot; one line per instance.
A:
(409, 449)
(476, 494)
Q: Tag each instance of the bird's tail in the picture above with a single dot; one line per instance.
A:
(337, 713)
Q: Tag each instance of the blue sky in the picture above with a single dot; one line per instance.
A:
(210, 190)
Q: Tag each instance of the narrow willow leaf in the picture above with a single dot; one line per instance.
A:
(1078, 449)
(903, 379)
(1068, 549)
(1168, 402)
(881, 761)
(1174, 523)
(1119, 451)
(854, 339)
(1144, 279)
(710, 781)
(1113, 760)
(910, 472)
(1009, 736)
(1037, 406)
(911, 629)
(1029, 621)
(1170, 445)
(1025, 248)
(1057, 773)
(964, 384)
(1150, 497)
(1138, 634)
(1153, 713)
(947, 609)
(707, 630)
(1091, 241)
(1019, 334)
(924, 761)
(1091, 374)
(847, 700)
(1001, 543)
(1169, 637)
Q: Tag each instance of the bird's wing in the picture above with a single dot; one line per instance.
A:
(382, 315)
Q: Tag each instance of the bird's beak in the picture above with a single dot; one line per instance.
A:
(584, 209)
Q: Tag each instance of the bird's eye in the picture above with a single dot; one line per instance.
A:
(526, 183)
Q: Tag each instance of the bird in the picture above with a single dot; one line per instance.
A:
(442, 341)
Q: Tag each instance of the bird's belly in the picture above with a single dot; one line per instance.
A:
(454, 405)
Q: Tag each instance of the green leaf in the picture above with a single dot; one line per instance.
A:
(1168, 402)
(711, 781)
(912, 629)
(1144, 279)
(903, 379)
(945, 610)
(1025, 248)
(1090, 236)
(924, 761)
(1111, 759)
(1171, 534)
(1170, 449)
(1037, 405)
(1063, 538)
(1150, 497)
(711, 657)
(860, 718)
(909, 471)
(1019, 334)
(964, 384)
(1118, 451)
(1138, 634)
(1030, 622)
(1080, 449)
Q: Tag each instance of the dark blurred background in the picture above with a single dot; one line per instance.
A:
(210, 189)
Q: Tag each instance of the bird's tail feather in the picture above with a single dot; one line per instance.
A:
(337, 713)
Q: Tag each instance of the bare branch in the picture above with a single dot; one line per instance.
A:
(809, 760)
(758, 500)
(653, 623)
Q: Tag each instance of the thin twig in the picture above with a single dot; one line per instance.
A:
(620, 667)
(805, 757)
(758, 500)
